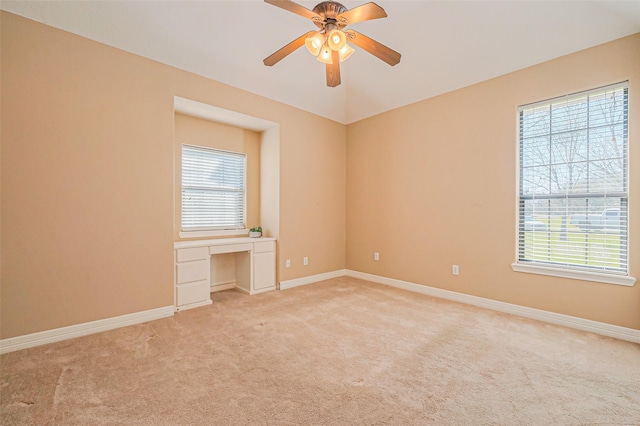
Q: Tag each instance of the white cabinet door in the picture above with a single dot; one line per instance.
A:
(264, 270)
(197, 292)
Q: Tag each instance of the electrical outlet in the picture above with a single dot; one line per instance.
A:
(376, 256)
(287, 263)
(305, 261)
(455, 270)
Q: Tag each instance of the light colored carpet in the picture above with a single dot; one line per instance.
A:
(341, 352)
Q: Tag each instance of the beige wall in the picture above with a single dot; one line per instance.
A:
(87, 182)
(88, 187)
(434, 184)
(199, 132)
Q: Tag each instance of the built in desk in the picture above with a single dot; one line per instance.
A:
(254, 266)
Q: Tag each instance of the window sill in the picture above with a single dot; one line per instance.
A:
(574, 274)
(221, 233)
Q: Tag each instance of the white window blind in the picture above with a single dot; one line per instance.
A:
(573, 196)
(213, 189)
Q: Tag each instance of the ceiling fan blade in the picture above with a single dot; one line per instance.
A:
(378, 50)
(295, 8)
(333, 70)
(366, 12)
(278, 55)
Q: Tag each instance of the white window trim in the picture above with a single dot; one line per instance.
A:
(220, 233)
(564, 272)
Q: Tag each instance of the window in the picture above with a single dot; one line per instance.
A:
(213, 189)
(573, 199)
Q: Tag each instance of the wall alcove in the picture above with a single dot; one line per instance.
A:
(269, 168)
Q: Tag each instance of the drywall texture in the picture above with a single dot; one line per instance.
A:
(434, 184)
(88, 186)
(196, 131)
(88, 212)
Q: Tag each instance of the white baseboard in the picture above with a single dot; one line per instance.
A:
(58, 334)
(50, 336)
(616, 331)
(222, 286)
(262, 290)
(284, 285)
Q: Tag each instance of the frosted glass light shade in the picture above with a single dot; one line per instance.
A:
(336, 40)
(345, 52)
(314, 43)
(325, 55)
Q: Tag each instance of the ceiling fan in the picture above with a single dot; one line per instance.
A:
(330, 43)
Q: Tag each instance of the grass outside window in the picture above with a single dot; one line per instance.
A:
(572, 246)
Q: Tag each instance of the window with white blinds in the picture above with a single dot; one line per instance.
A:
(213, 189)
(573, 197)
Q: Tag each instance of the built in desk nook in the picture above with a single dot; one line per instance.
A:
(248, 264)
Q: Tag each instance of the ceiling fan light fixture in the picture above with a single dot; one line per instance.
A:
(325, 55)
(314, 43)
(329, 43)
(337, 40)
(345, 52)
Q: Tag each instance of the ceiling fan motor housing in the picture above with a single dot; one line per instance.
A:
(328, 10)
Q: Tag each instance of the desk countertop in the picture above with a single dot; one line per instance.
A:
(219, 242)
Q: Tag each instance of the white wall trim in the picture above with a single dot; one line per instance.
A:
(284, 285)
(616, 331)
(222, 286)
(58, 334)
(574, 274)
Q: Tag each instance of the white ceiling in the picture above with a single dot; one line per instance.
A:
(445, 45)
